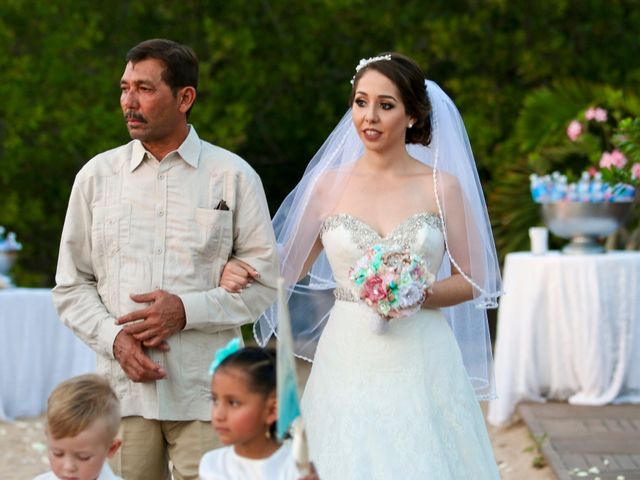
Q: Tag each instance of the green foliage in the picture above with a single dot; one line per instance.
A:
(538, 462)
(629, 140)
(274, 81)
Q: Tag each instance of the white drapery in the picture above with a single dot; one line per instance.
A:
(36, 352)
(568, 329)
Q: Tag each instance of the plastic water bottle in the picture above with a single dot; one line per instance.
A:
(597, 190)
(583, 187)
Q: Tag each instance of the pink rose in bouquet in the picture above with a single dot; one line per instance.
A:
(374, 290)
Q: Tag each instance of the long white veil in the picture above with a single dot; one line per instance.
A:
(463, 213)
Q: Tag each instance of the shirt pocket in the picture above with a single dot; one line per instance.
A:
(215, 232)
(111, 229)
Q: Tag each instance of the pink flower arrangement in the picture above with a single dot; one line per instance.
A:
(635, 171)
(604, 140)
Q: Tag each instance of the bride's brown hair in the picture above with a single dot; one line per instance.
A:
(409, 79)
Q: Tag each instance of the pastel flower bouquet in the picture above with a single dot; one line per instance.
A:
(392, 281)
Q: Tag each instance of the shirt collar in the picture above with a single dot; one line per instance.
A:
(189, 151)
(106, 473)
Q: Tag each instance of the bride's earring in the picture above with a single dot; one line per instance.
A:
(267, 432)
(410, 125)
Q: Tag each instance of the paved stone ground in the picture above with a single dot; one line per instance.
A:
(587, 441)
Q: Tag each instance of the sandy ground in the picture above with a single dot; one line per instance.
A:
(23, 451)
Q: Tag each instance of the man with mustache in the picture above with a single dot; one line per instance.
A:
(149, 227)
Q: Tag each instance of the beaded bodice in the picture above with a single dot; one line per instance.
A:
(346, 238)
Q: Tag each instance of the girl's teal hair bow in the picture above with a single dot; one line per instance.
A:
(222, 353)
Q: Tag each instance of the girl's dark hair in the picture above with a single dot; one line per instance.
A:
(409, 79)
(260, 366)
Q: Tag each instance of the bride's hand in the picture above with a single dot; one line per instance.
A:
(237, 275)
(395, 314)
(425, 302)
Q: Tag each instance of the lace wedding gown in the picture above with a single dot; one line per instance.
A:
(397, 405)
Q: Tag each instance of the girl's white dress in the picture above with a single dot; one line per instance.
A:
(397, 405)
(226, 464)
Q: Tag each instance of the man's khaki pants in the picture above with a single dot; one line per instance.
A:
(149, 445)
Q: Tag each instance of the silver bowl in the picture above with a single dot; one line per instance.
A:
(7, 259)
(584, 223)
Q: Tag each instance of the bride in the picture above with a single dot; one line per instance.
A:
(397, 172)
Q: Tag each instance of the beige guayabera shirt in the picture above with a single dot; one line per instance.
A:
(135, 225)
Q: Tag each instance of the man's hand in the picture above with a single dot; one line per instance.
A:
(135, 363)
(163, 318)
(237, 275)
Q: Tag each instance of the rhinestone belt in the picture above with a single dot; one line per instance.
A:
(344, 294)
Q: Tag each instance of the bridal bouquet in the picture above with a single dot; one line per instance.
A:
(392, 281)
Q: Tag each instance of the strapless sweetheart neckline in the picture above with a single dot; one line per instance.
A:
(373, 230)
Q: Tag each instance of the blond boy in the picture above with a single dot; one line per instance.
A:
(83, 418)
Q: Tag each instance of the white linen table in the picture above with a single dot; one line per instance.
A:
(36, 352)
(568, 329)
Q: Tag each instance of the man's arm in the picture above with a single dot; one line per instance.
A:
(75, 294)
(254, 243)
(77, 300)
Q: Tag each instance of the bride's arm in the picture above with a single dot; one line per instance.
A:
(450, 291)
(454, 289)
(237, 275)
(313, 255)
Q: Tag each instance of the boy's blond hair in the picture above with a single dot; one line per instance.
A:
(76, 403)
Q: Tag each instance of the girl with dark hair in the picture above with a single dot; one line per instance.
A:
(397, 369)
(244, 414)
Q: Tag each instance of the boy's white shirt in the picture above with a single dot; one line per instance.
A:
(105, 474)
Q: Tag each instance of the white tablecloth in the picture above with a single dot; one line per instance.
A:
(568, 329)
(36, 352)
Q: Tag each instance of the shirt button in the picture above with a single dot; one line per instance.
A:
(160, 177)
(161, 213)
(159, 251)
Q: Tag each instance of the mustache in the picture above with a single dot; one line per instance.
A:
(131, 115)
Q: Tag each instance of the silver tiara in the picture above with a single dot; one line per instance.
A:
(366, 61)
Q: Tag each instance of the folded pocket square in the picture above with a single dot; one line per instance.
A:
(222, 205)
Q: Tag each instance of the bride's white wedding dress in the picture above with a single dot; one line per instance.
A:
(397, 405)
